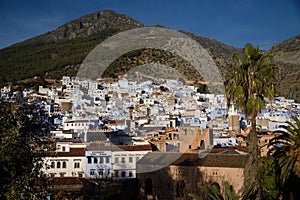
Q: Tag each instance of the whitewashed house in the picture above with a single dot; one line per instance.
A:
(68, 160)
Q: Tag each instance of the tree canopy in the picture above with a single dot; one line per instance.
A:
(20, 155)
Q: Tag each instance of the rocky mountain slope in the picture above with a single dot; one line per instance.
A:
(287, 56)
(61, 51)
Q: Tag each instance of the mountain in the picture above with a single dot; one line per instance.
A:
(89, 25)
(287, 57)
(61, 51)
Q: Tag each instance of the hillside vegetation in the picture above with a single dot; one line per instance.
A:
(61, 51)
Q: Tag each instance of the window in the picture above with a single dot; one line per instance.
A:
(89, 159)
(80, 175)
(64, 164)
(52, 175)
(116, 174)
(100, 172)
(123, 174)
(130, 174)
(130, 159)
(95, 160)
(77, 164)
(101, 159)
(62, 174)
(107, 159)
(116, 160)
(92, 172)
(52, 164)
(58, 164)
(63, 148)
(123, 159)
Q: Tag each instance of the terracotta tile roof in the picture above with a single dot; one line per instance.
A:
(74, 152)
(120, 148)
(223, 149)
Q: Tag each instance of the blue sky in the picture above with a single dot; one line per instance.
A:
(234, 22)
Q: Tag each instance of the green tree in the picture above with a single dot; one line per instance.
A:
(214, 192)
(249, 82)
(286, 151)
(268, 178)
(20, 159)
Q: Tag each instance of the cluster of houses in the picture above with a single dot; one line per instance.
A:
(124, 129)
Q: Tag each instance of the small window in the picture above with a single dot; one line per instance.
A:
(52, 175)
(89, 159)
(116, 174)
(63, 148)
(92, 172)
(58, 164)
(123, 159)
(64, 164)
(107, 159)
(95, 160)
(130, 174)
(116, 160)
(123, 174)
(80, 175)
(52, 164)
(130, 159)
(101, 159)
(77, 165)
(62, 174)
(100, 171)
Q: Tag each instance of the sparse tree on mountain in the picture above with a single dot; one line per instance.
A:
(250, 81)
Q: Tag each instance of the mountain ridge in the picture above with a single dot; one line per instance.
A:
(61, 51)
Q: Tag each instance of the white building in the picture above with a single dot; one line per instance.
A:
(124, 160)
(98, 162)
(67, 161)
(111, 161)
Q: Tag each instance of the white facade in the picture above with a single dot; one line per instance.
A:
(116, 162)
(68, 160)
(124, 162)
(98, 163)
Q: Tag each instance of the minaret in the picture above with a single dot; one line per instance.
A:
(233, 119)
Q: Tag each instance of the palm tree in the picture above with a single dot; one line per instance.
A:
(286, 150)
(213, 192)
(249, 82)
